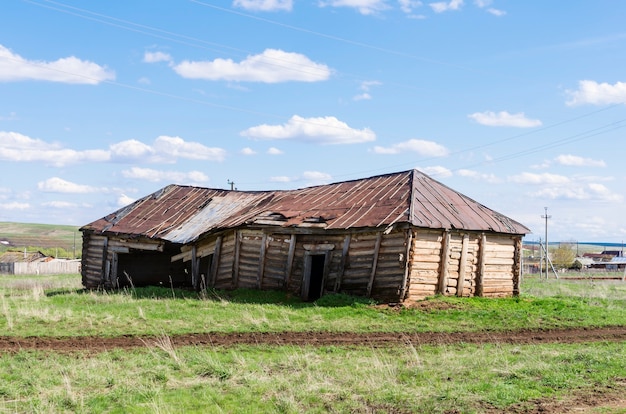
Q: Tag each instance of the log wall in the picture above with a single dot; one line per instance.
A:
(402, 264)
(498, 276)
(463, 264)
(94, 254)
(360, 263)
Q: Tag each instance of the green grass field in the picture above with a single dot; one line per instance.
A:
(160, 377)
(44, 236)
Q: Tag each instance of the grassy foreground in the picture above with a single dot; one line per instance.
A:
(462, 378)
(412, 378)
(36, 307)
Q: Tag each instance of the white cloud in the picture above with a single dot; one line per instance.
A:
(179, 148)
(59, 185)
(148, 174)
(484, 4)
(419, 146)
(154, 57)
(442, 6)
(539, 179)
(60, 204)
(366, 87)
(365, 7)
(164, 149)
(362, 97)
(264, 5)
(504, 119)
(316, 177)
(17, 147)
(21, 148)
(407, 6)
(14, 206)
(436, 171)
(322, 130)
(13, 68)
(589, 192)
(496, 12)
(274, 151)
(576, 161)
(311, 177)
(124, 200)
(594, 93)
(281, 179)
(131, 150)
(475, 175)
(555, 187)
(248, 151)
(272, 66)
(601, 192)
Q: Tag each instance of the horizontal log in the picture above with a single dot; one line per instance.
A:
(150, 246)
(424, 274)
(492, 289)
(497, 276)
(417, 266)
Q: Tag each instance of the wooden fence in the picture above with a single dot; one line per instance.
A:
(40, 268)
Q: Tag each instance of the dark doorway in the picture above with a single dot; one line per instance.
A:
(142, 268)
(314, 277)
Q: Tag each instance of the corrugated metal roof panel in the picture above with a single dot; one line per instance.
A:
(181, 214)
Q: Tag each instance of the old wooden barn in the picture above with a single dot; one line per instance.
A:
(393, 237)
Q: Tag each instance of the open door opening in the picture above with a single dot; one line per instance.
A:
(313, 277)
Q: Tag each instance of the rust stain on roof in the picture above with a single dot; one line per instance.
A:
(182, 214)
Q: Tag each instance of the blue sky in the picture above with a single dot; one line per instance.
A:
(517, 104)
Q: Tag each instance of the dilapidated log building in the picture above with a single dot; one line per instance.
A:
(394, 237)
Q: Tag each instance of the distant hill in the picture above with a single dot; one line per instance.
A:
(47, 236)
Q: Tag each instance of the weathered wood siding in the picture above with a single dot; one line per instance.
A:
(403, 264)
(249, 259)
(498, 276)
(425, 261)
(366, 264)
(463, 264)
(223, 278)
(93, 258)
(390, 267)
(276, 261)
(359, 264)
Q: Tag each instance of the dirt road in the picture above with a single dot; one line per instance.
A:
(96, 344)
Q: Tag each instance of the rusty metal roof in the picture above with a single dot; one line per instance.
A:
(182, 214)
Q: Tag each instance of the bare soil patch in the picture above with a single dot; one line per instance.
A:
(97, 344)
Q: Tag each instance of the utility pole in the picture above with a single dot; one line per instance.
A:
(546, 217)
(232, 184)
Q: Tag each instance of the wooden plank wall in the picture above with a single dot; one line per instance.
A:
(498, 264)
(373, 264)
(92, 260)
(358, 264)
(425, 262)
(276, 259)
(223, 278)
(390, 267)
(249, 257)
(462, 264)
(467, 268)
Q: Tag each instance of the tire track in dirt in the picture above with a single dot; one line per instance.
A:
(376, 339)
